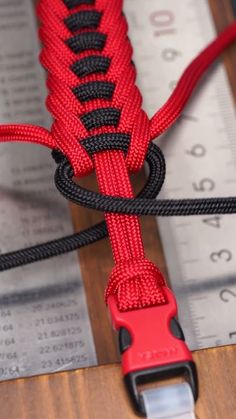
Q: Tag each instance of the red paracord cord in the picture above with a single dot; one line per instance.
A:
(135, 281)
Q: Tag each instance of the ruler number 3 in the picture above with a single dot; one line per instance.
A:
(222, 255)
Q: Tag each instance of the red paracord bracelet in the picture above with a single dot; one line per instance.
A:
(85, 102)
(92, 91)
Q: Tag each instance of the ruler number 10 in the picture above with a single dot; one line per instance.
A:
(163, 21)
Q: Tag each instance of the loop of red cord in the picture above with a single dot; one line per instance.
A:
(135, 281)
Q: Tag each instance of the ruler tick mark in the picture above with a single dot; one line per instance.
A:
(207, 337)
(192, 281)
(230, 181)
(230, 163)
(181, 225)
(222, 147)
(200, 298)
(190, 261)
(169, 155)
(177, 189)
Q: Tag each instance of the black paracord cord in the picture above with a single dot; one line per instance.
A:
(144, 204)
(97, 232)
(138, 206)
(53, 248)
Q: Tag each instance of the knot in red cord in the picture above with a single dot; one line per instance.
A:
(137, 283)
(91, 79)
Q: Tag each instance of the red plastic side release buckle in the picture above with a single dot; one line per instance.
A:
(152, 345)
(152, 340)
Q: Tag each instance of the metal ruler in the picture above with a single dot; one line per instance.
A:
(44, 323)
(201, 162)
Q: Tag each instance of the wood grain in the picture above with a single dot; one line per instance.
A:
(98, 393)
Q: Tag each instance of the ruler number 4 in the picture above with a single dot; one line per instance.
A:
(214, 221)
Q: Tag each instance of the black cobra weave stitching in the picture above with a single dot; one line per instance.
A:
(70, 4)
(86, 41)
(91, 65)
(86, 19)
(101, 117)
(94, 90)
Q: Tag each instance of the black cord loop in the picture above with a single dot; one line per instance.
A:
(70, 190)
(145, 204)
(97, 232)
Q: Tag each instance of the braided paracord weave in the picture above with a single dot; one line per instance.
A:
(91, 81)
(91, 78)
(93, 98)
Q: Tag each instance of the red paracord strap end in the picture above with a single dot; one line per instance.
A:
(136, 283)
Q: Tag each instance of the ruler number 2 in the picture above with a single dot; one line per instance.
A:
(226, 295)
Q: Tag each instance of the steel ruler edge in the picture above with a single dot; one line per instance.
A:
(200, 152)
(44, 322)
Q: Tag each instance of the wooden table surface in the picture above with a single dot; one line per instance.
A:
(98, 393)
